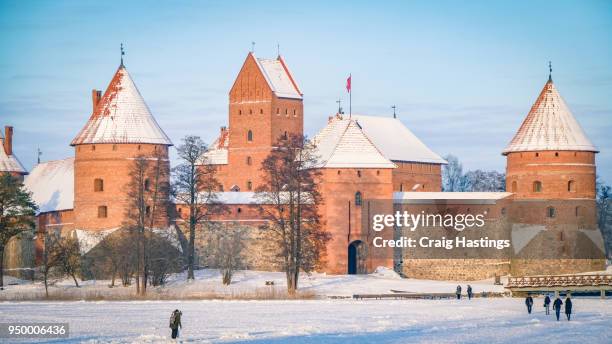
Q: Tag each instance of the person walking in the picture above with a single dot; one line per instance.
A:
(175, 323)
(469, 292)
(529, 303)
(458, 292)
(547, 304)
(568, 307)
(557, 307)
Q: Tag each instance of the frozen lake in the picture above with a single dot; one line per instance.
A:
(503, 320)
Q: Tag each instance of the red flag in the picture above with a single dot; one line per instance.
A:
(348, 84)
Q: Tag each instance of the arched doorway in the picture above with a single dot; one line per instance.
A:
(356, 258)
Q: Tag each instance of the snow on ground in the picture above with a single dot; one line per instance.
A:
(493, 320)
(208, 282)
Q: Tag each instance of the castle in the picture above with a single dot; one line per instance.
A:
(550, 176)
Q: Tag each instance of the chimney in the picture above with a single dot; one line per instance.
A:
(95, 97)
(8, 140)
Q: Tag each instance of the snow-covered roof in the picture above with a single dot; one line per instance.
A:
(550, 125)
(9, 163)
(343, 144)
(217, 152)
(396, 141)
(121, 116)
(279, 77)
(52, 185)
(457, 197)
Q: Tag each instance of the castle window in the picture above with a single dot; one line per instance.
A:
(114, 147)
(551, 212)
(286, 111)
(235, 188)
(221, 187)
(358, 198)
(401, 187)
(577, 211)
(148, 210)
(339, 172)
(98, 185)
(250, 136)
(423, 186)
(93, 147)
(261, 111)
(249, 185)
(240, 112)
(378, 172)
(278, 111)
(561, 236)
(359, 174)
(250, 111)
(571, 186)
(249, 160)
(556, 154)
(239, 210)
(514, 186)
(147, 185)
(294, 112)
(537, 154)
(537, 186)
(139, 147)
(102, 211)
(503, 211)
(285, 135)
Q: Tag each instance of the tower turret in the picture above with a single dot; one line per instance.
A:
(120, 129)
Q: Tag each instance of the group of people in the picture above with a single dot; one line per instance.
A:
(469, 292)
(556, 306)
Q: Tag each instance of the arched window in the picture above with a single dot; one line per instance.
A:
(249, 185)
(571, 186)
(551, 212)
(358, 198)
(102, 212)
(537, 186)
(249, 160)
(250, 136)
(514, 186)
(98, 185)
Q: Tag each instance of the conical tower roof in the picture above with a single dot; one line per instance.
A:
(550, 125)
(121, 116)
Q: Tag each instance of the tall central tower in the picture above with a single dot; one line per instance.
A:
(265, 103)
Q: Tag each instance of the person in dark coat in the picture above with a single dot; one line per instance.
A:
(568, 308)
(458, 292)
(529, 303)
(469, 292)
(175, 323)
(557, 307)
(547, 304)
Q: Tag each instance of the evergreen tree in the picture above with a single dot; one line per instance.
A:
(17, 213)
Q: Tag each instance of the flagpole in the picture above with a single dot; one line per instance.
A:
(351, 98)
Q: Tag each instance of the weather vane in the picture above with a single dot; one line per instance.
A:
(549, 71)
(339, 101)
(122, 53)
(252, 47)
(394, 115)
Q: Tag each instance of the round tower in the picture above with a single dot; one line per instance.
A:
(550, 157)
(551, 172)
(120, 129)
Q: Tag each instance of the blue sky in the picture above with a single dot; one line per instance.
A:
(462, 75)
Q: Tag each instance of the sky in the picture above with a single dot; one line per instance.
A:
(462, 75)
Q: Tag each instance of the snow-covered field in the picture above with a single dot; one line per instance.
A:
(208, 284)
(497, 320)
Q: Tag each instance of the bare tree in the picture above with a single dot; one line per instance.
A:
(227, 246)
(17, 212)
(148, 203)
(453, 179)
(195, 186)
(65, 251)
(289, 202)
